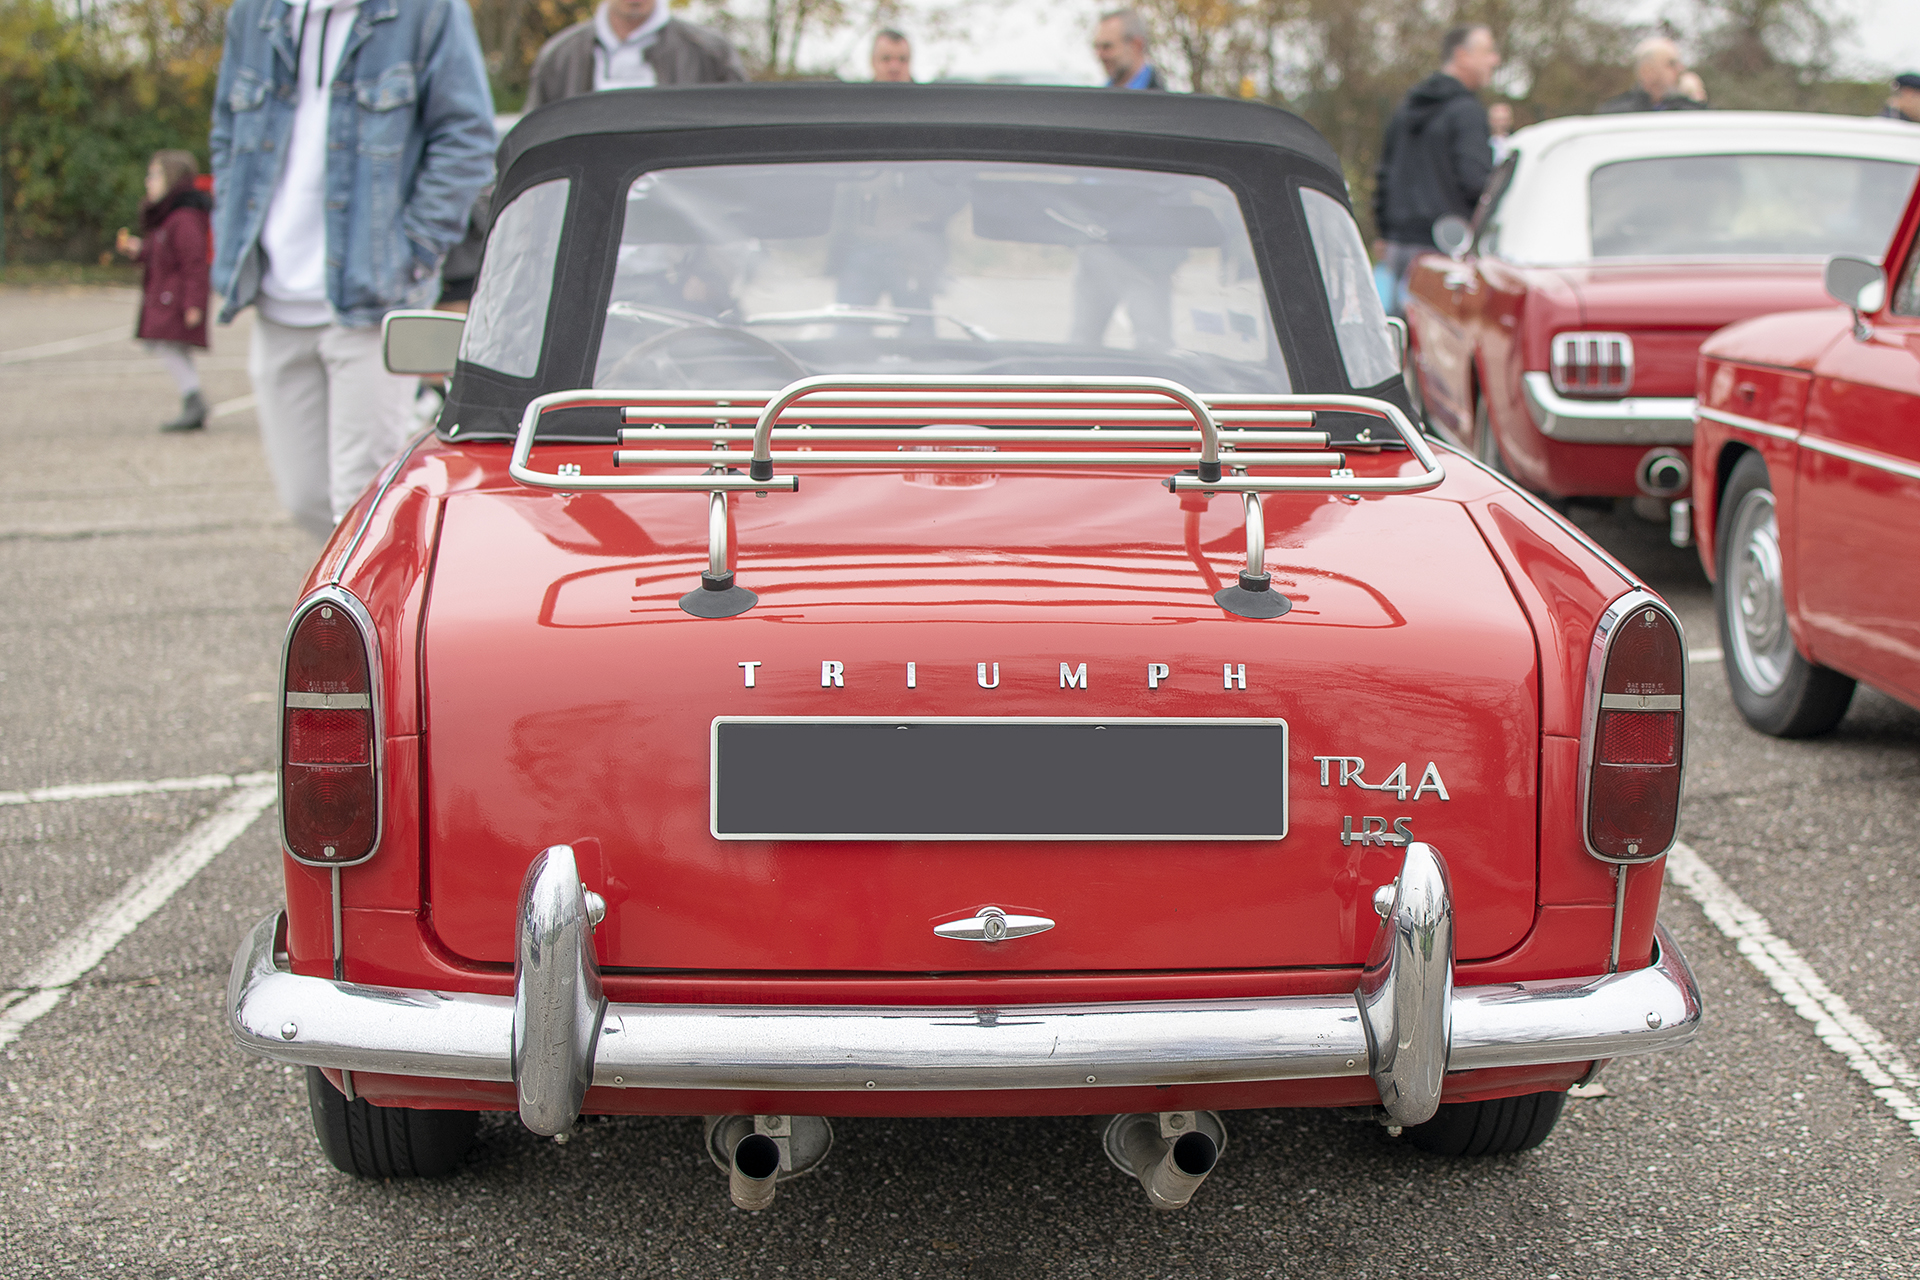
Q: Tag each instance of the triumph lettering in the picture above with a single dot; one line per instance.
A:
(1156, 672)
(833, 675)
(1233, 677)
(1073, 678)
(747, 669)
(981, 678)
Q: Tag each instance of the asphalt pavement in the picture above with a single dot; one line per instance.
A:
(144, 584)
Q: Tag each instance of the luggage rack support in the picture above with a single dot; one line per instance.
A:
(1092, 422)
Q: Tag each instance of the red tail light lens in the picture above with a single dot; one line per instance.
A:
(329, 792)
(1637, 742)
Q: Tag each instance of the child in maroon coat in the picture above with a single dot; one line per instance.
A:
(173, 243)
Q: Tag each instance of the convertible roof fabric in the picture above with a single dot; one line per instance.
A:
(600, 142)
(959, 107)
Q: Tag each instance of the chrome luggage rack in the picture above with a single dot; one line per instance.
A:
(819, 420)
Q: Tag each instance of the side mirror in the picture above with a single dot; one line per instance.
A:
(422, 342)
(1859, 285)
(1453, 234)
(1397, 333)
(1856, 282)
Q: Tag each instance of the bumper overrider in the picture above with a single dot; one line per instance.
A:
(1406, 1024)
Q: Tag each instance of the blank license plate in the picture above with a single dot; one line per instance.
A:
(788, 778)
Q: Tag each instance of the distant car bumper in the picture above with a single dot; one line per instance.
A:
(1634, 420)
(1406, 1025)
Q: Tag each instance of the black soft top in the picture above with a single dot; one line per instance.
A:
(958, 109)
(602, 141)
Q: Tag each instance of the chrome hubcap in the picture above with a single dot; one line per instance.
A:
(1756, 602)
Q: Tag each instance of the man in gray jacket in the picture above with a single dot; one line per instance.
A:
(630, 44)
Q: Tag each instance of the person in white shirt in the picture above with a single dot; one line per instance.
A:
(349, 140)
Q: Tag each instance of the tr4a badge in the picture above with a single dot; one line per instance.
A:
(1374, 830)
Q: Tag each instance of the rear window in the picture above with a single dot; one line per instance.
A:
(749, 276)
(1746, 206)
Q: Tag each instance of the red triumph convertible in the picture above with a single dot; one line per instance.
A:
(932, 605)
(1560, 345)
(1807, 490)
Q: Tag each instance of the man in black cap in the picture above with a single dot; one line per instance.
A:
(1437, 155)
(1905, 102)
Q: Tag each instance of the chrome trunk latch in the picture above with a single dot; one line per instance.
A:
(991, 924)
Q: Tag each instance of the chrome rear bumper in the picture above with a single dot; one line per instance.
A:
(1639, 420)
(1406, 1025)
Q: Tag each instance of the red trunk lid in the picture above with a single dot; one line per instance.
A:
(1670, 308)
(568, 699)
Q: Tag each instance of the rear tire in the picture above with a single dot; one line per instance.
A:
(1497, 1127)
(386, 1142)
(1776, 689)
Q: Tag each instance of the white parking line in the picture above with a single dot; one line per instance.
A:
(20, 355)
(40, 987)
(102, 790)
(1703, 655)
(1871, 1056)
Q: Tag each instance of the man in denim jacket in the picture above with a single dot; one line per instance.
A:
(350, 138)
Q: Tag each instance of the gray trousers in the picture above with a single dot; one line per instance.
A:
(330, 415)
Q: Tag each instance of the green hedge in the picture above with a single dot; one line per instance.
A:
(77, 127)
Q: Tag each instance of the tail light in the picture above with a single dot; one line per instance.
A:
(330, 734)
(1592, 364)
(1633, 746)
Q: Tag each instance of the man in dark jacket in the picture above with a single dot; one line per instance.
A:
(1436, 156)
(1657, 71)
(630, 44)
(1120, 42)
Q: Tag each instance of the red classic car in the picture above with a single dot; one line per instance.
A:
(1560, 346)
(932, 605)
(1806, 494)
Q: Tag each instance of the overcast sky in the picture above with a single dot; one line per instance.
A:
(1050, 42)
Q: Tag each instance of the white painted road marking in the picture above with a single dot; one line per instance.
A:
(65, 346)
(40, 987)
(1703, 655)
(1871, 1056)
(239, 404)
(102, 790)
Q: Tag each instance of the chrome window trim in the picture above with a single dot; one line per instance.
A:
(1744, 423)
(713, 777)
(1865, 457)
(1632, 420)
(1605, 631)
(340, 598)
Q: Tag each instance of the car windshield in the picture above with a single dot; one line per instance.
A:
(749, 276)
(1746, 206)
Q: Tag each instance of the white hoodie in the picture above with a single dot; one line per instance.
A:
(294, 237)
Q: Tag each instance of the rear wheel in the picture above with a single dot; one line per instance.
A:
(1776, 689)
(386, 1142)
(1497, 1127)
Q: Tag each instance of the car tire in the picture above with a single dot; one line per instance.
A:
(386, 1142)
(1497, 1127)
(1776, 689)
(1485, 447)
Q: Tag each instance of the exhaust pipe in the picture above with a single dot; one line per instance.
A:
(757, 1153)
(753, 1172)
(1663, 473)
(1170, 1153)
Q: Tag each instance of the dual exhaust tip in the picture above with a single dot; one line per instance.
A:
(1170, 1153)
